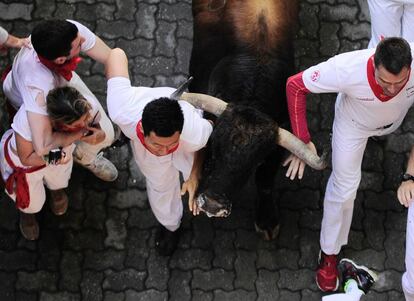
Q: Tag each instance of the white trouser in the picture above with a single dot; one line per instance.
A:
(53, 176)
(342, 297)
(391, 18)
(87, 151)
(163, 182)
(348, 145)
(408, 276)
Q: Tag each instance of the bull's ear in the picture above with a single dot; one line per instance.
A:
(205, 102)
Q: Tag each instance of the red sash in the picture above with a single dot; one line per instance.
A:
(141, 138)
(17, 181)
(65, 69)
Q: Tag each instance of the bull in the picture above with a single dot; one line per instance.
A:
(243, 53)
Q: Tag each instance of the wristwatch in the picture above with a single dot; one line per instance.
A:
(407, 177)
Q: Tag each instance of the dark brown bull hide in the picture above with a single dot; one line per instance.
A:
(242, 53)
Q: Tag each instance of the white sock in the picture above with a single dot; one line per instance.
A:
(351, 288)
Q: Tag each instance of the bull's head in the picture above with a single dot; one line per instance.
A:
(241, 140)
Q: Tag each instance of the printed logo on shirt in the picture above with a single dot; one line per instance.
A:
(366, 98)
(315, 75)
(409, 91)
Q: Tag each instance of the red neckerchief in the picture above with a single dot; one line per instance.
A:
(17, 181)
(64, 69)
(378, 91)
(140, 136)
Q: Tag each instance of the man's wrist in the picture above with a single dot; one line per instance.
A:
(407, 177)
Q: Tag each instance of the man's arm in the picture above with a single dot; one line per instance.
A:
(43, 137)
(405, 192)
(117, 64)
(26, 152)
(99, 52)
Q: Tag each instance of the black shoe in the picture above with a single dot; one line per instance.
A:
(166, 241)
(364, 277)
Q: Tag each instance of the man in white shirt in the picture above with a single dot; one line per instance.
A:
(51, 64)
(165, 135)
(376, 90)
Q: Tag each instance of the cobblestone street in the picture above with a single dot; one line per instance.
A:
(103, 247)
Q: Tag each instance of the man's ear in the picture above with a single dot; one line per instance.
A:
(60, 60)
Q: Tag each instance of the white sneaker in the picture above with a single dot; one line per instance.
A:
(100, 167)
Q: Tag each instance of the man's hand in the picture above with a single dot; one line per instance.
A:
(94, 135)
(191, 186)
(405, 193)
(297, 166)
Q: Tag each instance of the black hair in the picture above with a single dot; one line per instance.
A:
(393, 54)
(66, 105)
(163, 116)
(53, 38)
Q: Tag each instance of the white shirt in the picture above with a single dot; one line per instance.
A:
(4, 35)
(347, 73)
(29, 76)
(126, 105)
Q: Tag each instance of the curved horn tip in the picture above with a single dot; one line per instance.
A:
(322, 162)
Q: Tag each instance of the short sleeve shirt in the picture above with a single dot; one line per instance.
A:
(29, 76)
(126, 105)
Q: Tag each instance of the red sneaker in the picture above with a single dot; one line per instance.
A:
(327, 274)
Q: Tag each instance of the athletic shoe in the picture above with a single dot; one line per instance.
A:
(364, 277)
(100, 166)
(327, 273)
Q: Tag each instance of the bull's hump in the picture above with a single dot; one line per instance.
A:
(264, 22)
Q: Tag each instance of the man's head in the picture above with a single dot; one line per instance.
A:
(56, 40)
(162, 122)
(392, 64)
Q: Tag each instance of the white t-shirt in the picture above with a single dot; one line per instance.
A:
(4, 35)
(126, 105)
(29, 76)
(347, 73)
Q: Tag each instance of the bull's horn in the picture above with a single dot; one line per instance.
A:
(299, 148)
(205, 102)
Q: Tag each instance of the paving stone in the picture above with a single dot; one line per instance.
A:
(289, 230)
(212, 279)
(374, 229)
(276, 259)
(137, 249)
(183, 47)
(36, 281)
(286, 295)
(7, 282)
(16, 11)
(266, 285)
(128, 199)
(126, 9)
(387, 280)
(116, 229)
(310, 295)
(199, 295)
(88, 239)
(385, 200)
(371, 181)
(203, 232)
(91, 286)
(108, 259)
(61, 296)
(191, 259)
(133, 48)
(17, 261)
(173, 12)
(98, 11)
(64, 10)
(179, 286)
(236, 295)
(224, 258)
(151, 294)
(24, 296)
(309, 250)
(329, 39)
(146, 18)
(95, 210)
(297, 279)
(44, 8)
(126, 279)
(165, 39)
(310, 219)
(142, 219)
(395, 249)
(70, 272)
(158, 272)
(245, 268)
(339, 12)
(110, 296)
(396, 221)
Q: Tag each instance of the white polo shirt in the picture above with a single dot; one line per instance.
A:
(347, 73)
